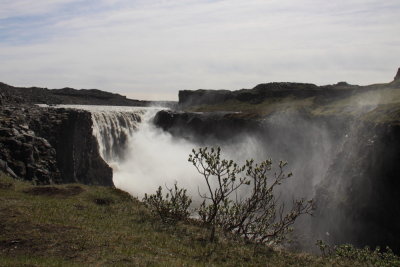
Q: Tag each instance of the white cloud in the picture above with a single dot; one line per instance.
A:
(159, 47)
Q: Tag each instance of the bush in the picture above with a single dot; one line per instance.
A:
(171, 208)
(241, 200)
(362, 256)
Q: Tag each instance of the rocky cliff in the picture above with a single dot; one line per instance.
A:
(47, 145)
(23, 153)
(202, 127)
(361, 188)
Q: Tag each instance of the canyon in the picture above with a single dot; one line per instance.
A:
(342, 143)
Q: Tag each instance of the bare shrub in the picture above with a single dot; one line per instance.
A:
(241, 200)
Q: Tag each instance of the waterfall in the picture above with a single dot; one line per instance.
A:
(330, 159)
(112, 130)
(113, 127)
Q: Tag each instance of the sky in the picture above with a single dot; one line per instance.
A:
(151, 49)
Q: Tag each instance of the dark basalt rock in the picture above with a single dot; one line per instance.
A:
(25, 154)
(202, 96)
(360, 192)
(205, 126)
(70, 133)
(47, 145)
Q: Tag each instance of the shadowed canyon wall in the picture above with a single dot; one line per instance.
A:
(48, 145)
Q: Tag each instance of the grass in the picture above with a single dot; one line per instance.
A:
(380, 105)
(77, 225)
(361, 103)
(267, 107)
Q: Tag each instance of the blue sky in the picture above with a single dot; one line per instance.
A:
(150, 49)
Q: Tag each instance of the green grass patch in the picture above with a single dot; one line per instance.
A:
(77, 225)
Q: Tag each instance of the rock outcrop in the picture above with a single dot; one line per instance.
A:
(201, 127)
(25, 154)
(47, 145)
(397, 77)
(69, 131)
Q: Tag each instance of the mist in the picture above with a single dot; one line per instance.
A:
(144, 157)
(154, 158)
(323, 155)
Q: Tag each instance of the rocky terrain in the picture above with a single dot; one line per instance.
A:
(36, 95)
(261, 92)
(47, 145)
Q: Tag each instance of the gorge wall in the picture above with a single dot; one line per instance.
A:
(341, 141)
(359, 196)
(47, 145)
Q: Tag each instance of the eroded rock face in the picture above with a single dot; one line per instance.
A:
(28, 156)
(46, 146)
(70, 133)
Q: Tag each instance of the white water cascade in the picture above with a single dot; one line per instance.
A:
(142, 156)
(113, 130)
